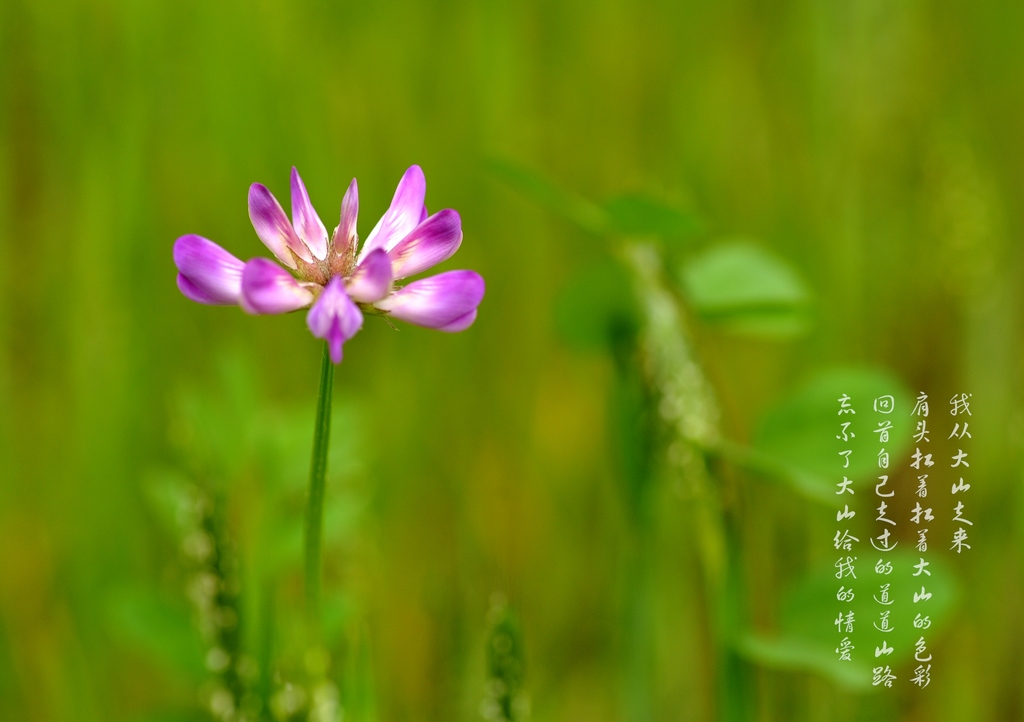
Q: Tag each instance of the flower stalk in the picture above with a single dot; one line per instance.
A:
(315, 500)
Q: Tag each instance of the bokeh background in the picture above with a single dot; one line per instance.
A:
(604, 501)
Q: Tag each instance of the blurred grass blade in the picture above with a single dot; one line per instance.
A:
(505, 663)
(359, 689)
(583, 213)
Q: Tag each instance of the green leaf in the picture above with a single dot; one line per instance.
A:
(808, 637)
(640, 215)
(579, 211)
(744, 289)
(597, 308)
(796, 440)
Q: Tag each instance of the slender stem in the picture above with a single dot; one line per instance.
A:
(315, 502)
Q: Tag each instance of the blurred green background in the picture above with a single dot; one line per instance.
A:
(599, 502)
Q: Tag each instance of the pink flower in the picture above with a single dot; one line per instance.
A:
(339, 280)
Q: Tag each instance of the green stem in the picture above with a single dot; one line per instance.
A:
(315, 503)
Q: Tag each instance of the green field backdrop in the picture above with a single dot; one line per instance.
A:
(611, 498)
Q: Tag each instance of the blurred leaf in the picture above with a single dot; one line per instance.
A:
(808, 636)
(216, 432)
(580, 211)
(284, 546)
(796, 440)
(285, 443)
(745, 289)
(640, 215)
(349, 443)
(172, 499)
(162, 629)
(597, 308)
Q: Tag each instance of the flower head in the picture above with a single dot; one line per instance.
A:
(336, 278)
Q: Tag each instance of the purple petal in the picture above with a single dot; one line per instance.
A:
(307, 223)
(345, 234)
(433, 241)
(334, 317)
(273, 226)
(442, 301)
(268, 288)
(208, 273)
(372, 279)
(193, 293)
(461, 323)
(403, 215)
